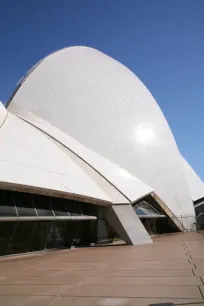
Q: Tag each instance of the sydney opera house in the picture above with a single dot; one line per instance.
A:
(87, 157)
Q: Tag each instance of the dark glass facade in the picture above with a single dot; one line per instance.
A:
(13, 204)
(20, 236)
(153, 216)
(145, 209)
(199, 210)
(30, 222)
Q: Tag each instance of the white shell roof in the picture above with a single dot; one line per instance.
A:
(195, 184)
(128, 185)
(38, 155)
(3, 114)
(104, 106)
(30, 158)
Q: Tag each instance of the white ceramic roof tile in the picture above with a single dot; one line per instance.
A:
(3, 114)
(37, 161)
(131, 187)
(195, 184)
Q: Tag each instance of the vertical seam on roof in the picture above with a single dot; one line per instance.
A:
(4, 119)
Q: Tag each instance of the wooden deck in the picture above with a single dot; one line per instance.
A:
(170, 270)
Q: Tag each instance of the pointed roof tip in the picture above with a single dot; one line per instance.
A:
(79, 47)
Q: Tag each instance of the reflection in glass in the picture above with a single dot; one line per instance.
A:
(21, 235)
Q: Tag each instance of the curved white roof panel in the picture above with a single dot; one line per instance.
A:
(195, 184)
(29, 157)
(104, 106)
(129, 186)
(3, 114)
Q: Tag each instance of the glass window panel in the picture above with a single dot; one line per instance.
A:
(60, 208)
(42, 237)
(21, 238)
(7, 207)
(24, 204)
(6, 232)
(59, 232)
(145, 208)
(43, 206)
(139, 211)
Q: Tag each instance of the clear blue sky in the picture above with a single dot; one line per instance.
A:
(161, 41)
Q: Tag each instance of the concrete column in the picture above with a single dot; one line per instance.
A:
(127, 224)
